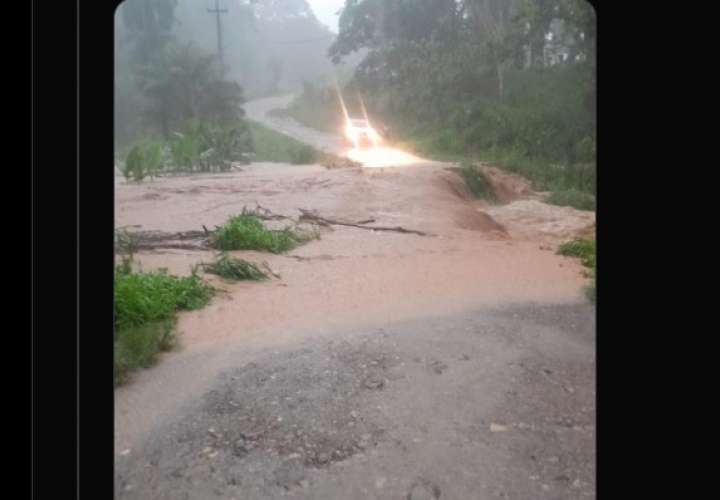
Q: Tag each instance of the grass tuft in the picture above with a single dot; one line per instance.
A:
(477, 182)
(586, 251)
(234, 269)
(145, 308)
(582, 248)
(246, 232)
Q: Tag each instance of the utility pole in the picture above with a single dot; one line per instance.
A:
(217, 11)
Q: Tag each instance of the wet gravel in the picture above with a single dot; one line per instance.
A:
(491, 404)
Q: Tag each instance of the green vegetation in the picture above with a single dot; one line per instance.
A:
(247, 232)
(272, 146)
(586, 251)
(234, 269)
(143, 160)
(572, 198)
(205, 147)
(138, 347)
(145, 308)
(477, 182)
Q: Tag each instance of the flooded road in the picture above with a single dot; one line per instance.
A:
(477, 262)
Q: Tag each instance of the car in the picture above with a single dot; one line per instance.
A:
(360, 133)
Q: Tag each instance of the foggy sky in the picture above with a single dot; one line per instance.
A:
(325, 11)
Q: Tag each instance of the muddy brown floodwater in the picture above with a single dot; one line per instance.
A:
(352, 276)
(477, 256)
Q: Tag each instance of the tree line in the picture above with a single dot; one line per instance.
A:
(513, 80)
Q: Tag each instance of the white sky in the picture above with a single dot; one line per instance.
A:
(325, 11)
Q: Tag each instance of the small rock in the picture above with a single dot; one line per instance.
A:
(374, 383)
(438, 367)
(125, 452)
(576, 483)
(498, 428)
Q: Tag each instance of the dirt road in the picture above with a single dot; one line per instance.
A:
(380, 365)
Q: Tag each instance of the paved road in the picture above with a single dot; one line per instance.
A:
(258, 111)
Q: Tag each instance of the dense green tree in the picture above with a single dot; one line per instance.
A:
(181, 84)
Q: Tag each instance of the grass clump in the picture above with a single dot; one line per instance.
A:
(145, 297)
(247, 232)
(272, 146)
(234, 269)
(138, 347)
(572, 198)
(583, 248)
(145, 308)
(586, 251)
(477, 182)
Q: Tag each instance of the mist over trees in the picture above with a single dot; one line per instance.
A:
(167, 69)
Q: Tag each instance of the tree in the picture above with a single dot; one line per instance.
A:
(149, 24)
(174, 82)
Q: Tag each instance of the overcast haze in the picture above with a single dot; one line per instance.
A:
(326, 12)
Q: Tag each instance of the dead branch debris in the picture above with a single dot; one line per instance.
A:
(184, 240)
(314, 217)
(201, 240)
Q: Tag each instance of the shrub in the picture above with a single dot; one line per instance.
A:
(144, 159)
(477, 182)
(142, 298)
(145, 307)
(206, 148)
(582, 248)
(246, 232)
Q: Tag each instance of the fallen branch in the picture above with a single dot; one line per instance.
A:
(265, 213)
(184, 240)
(269, 269)
(310, 216)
